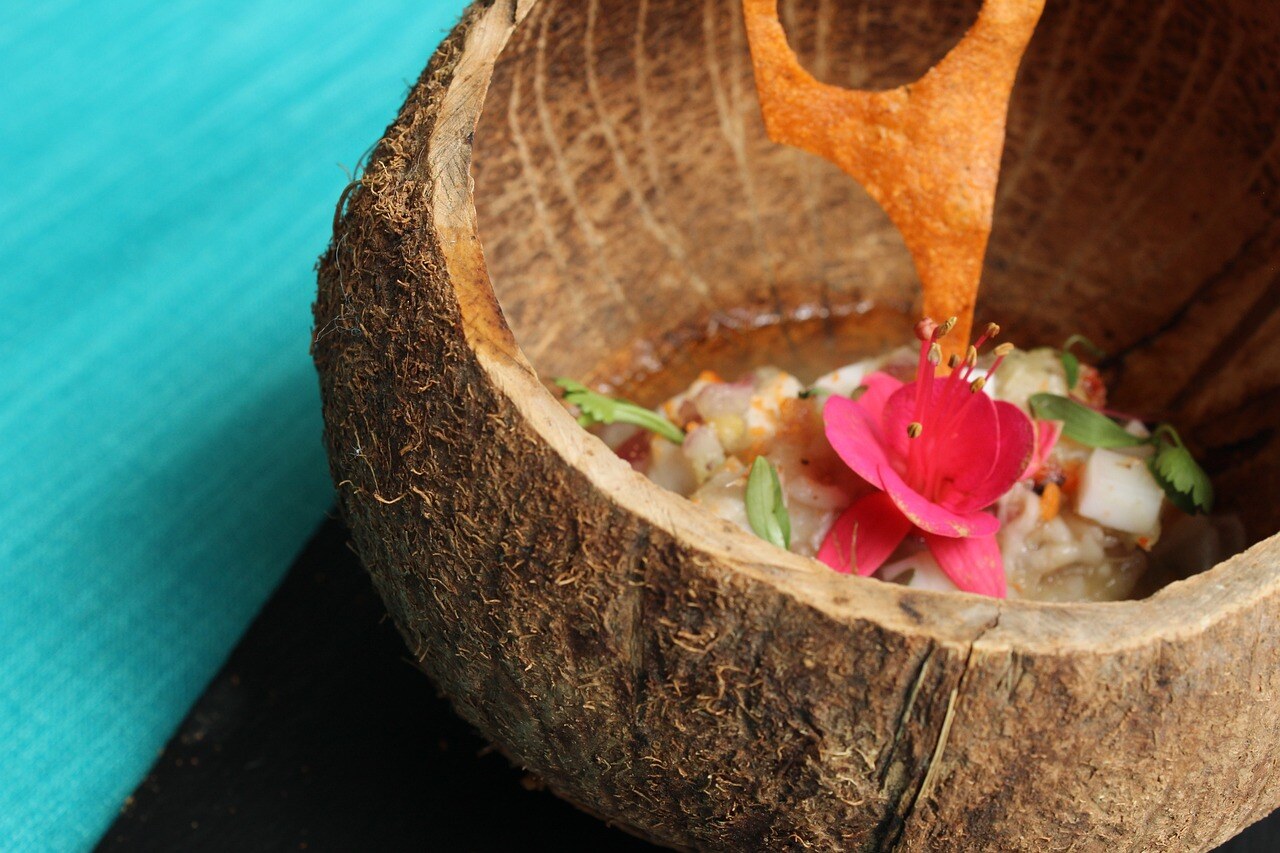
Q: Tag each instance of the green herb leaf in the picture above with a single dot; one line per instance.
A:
(1071, 365)
(766, 509)
(1088, 345)
(1176, 470)
(1081, 423)
(596, 408)
(1182, 501)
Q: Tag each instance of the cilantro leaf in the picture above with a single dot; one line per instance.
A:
(766, 509)
(596, 408)
(1176, 470)
(1081, 423)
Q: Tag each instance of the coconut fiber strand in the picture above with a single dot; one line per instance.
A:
(170, 172)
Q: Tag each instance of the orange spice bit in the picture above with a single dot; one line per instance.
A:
(1050, 502)
(798, 424)
(928, 152)
(798, 420)
(1071, 479)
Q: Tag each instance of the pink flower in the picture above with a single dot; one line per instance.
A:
(939, 452)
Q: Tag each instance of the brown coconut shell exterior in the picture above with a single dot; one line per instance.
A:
(672, 674)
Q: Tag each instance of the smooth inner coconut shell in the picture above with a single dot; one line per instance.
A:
(670, 672)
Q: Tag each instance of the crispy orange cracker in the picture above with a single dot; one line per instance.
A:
(928, 152)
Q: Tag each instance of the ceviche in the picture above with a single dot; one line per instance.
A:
(999, 472)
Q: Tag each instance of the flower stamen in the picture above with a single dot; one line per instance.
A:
(950, 404)
(1000, 352)
(969, 363)
(930, 357)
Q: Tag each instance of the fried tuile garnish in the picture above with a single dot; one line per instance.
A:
(928, 152)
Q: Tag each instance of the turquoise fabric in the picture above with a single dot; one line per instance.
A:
(169, 176)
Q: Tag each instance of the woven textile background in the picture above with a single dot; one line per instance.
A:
(169, 177)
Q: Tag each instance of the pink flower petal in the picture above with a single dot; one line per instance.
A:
(879, 388)
(1015, 444)
(1047, 435)
(899, 411)
(973, 563)
(855, 437)
(931, 517)
(873, 527)
(966, 448)
(958, 446)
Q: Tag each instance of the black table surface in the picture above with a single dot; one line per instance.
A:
(319, 734)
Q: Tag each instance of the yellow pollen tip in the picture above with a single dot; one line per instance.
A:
(971, 357)
(953, 362)
(978, 384)
(914, 429)
(945, 328)
(993, 329)
(1003, 350)
(935, 354)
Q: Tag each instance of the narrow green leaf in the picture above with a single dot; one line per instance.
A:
(1071, 365)
(766, 508)
(1081, 423)
(780, 513)
(596, 408)
(759, 500)
(1088, 345)
(1071, 362)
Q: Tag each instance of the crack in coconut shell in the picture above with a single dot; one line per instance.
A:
(928, 152)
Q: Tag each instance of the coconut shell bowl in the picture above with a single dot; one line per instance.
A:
(586, 189)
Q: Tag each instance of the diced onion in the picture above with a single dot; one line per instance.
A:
(1118, 491)
(772, 388)
(846, 380)
(1027, 372)
(669, 468)
(723, 400)
(809, 492)
(703, 450)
